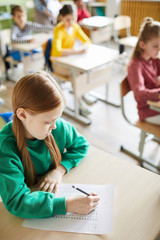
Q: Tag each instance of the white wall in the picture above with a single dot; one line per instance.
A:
(113, 8)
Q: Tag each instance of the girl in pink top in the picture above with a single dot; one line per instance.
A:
(144, 70)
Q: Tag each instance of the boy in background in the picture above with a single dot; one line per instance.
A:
(22, 30)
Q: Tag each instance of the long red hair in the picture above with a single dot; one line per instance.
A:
(37, 93)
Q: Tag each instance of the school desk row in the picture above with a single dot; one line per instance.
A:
(94, 66)
(136, 201)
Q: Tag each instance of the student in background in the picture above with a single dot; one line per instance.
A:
(38, 148)
(22, 31)
(65, 35)
(46, 11)
(82, 11)
(144, 70)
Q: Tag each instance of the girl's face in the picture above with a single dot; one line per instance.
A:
(39, 126)
(68, 20)
(151, 48)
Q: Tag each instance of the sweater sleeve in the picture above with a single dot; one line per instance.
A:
(36, 27)
(137, 84)
(56, 49)
(81, 35)
(17, 197)
(76, 147)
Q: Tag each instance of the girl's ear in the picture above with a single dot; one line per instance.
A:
(142, 44)
(21, 114)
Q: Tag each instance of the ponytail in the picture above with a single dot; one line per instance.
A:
(148, 30)
(29, 169)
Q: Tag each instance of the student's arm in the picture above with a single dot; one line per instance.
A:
(81, 35)
(57, 50)
(15, 194)
(75, 144)
(41, 8)
(36, 27)
(137, 83)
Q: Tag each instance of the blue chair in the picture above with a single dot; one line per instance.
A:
(5, 118)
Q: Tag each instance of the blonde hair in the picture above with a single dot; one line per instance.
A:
(149, 29)
(37, 93)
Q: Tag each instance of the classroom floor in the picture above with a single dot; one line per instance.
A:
(109, 130)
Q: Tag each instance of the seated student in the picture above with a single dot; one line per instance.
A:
(82, 11)
(37, 149)
(22, 30)
(144, 70)
(65, 34)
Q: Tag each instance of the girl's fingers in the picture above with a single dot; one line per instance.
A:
(51, 187)
(42, 185)
(46, 186)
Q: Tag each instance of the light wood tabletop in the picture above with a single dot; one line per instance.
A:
(136, 201)
(96, 22)
(39, 40)
(95, 56)
(153, 103)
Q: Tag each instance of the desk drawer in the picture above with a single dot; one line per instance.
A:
(101, 35)
(88, 81)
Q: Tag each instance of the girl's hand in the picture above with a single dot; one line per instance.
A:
(50, 180)
(82, 204)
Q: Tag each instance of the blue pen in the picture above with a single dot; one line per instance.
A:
(80, 190)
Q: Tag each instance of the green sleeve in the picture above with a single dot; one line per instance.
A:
(15, 194)
(76, 147)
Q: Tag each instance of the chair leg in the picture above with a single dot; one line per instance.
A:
(142, 142)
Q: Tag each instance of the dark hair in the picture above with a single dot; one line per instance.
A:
(149, 29)
(17, 8)
(66, 9)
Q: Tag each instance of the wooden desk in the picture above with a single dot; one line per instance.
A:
(40, 39)
(33, 62)
(96, 68)
(136, 201)
(99, 29)
(154, 105)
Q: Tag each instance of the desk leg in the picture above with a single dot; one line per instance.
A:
(75, 114)
(104, 98)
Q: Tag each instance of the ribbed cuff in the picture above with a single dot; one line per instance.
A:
(67, 164)
(59, 206)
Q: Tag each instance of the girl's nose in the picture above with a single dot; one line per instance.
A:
(53, 126)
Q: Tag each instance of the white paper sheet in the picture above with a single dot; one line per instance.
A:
(99, 221)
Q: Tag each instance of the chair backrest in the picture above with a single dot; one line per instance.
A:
(121, 22)
(5, 36)
(124, 87)
(5, 39)
(124, 90)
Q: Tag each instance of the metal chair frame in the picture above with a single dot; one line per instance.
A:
(144, 136)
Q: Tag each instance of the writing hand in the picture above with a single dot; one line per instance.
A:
(82, 204)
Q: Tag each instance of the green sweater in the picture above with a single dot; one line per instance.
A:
(15, 194)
